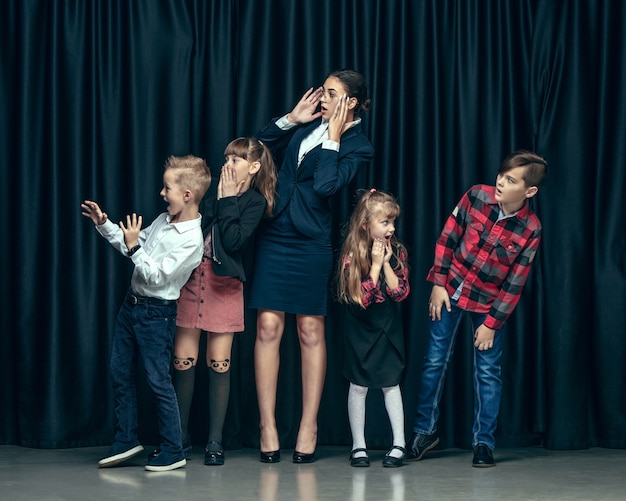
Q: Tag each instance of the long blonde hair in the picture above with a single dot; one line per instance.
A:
(355, 260)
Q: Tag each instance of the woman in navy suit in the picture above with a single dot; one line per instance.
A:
(321, 146)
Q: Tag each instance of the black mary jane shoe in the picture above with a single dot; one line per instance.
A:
(394, 462)
(303, 458)
(269, 457)
(214, 457)
(361, 461)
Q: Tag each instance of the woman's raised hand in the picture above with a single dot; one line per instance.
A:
(304, 111)
(338, 120)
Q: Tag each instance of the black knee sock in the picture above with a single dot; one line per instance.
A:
(184, 385)
(219, 392)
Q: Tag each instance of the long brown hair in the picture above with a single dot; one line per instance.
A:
(264, 181)
(356, 261)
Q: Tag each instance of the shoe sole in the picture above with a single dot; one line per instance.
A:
(429, 448)
(166, 467)
(121, 457)
(475, 465)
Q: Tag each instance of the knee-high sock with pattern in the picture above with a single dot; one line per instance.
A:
(395, 410)
(184, 381)
(356, 414)
(219, 393)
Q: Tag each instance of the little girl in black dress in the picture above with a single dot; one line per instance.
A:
(372, 280)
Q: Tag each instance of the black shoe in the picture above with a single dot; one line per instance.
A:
(420, 445)
(361, 461)
(214, 457)
(302, 458)
(483, 457)
(394, 462)
(269, 457)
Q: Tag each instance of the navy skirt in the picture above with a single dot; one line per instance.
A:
(291, 271)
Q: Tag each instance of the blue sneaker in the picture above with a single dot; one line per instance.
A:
(187, 450)
(165, 461)
(118, 453)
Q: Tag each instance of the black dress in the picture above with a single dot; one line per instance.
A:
(374, 344)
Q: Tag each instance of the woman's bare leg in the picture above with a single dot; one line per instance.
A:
(313, 351)
(270, 327)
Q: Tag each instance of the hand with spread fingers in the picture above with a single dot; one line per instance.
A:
(131, 229)
(93, 211)
(304, 111)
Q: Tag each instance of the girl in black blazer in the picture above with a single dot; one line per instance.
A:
(212, 300)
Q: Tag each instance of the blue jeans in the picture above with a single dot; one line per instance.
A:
(145, 331)
(486, 378)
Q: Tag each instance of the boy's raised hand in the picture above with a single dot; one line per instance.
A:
(92, 211)
(131, 229)
(438, 298)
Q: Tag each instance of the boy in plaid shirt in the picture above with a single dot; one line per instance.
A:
(482, 259)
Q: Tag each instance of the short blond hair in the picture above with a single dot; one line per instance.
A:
(191, 173)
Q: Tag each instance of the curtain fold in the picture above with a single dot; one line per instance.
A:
(96, 95)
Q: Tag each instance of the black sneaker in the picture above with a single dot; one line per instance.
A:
(118, 453)
(483, 457)
(420, 445)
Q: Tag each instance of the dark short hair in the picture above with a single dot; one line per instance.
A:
(536, 166)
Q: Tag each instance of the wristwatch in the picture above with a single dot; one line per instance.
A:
(133, 250)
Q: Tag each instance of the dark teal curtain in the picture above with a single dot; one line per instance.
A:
(96, 94)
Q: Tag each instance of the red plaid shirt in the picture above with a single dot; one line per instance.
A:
(490, 258)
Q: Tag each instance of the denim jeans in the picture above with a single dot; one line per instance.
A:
(145, 331)
(486, 378)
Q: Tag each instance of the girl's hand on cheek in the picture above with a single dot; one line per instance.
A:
(388, 252)
(378, 252)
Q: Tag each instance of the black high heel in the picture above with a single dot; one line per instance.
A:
(269, 457)
(302, 458)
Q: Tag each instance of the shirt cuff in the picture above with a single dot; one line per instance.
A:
(284, 124)
(328, 144)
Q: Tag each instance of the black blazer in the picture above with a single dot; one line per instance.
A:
(306, 191)
(232, 222)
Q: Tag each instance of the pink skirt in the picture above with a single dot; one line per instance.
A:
(210, 302)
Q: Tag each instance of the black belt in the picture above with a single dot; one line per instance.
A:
(134, 299)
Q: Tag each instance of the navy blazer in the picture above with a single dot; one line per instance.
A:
(305, 192)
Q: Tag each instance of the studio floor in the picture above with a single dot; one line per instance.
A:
(521, 474)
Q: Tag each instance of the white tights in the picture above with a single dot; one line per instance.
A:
(356, 414)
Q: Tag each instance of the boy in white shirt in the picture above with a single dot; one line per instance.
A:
(164, 254)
